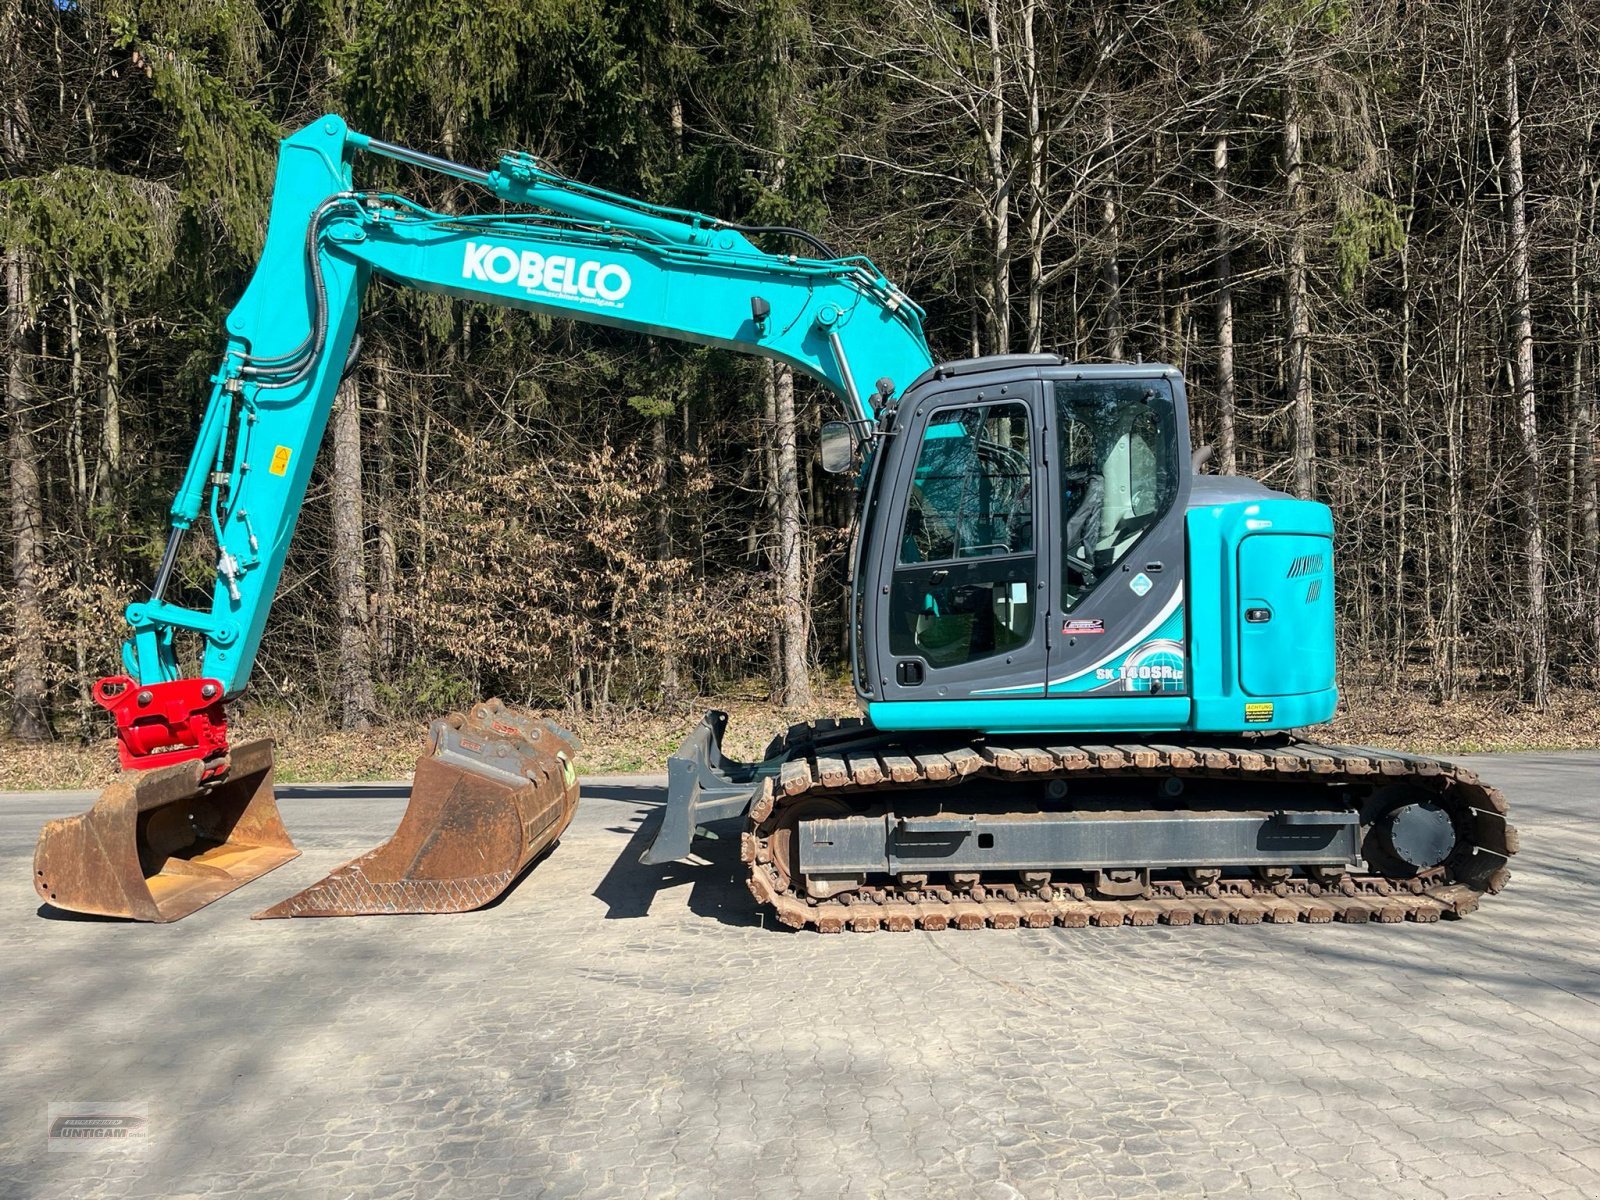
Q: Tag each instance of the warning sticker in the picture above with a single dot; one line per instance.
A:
(280, 461)
(1257, 714)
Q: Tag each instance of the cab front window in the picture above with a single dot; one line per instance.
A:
(963, 588)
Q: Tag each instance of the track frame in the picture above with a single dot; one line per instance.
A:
(854, 767)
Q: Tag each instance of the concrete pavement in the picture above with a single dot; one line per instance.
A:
(611, 1029)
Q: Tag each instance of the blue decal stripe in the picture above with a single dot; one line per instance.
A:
(1170, 610)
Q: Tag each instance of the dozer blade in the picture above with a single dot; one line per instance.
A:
(159, 844)
(494, 792)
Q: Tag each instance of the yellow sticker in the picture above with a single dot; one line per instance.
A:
(280, 461)
(1257, 714)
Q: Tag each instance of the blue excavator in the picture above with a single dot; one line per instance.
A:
(1080, 661)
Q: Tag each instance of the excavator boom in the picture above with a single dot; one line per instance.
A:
(583, 254)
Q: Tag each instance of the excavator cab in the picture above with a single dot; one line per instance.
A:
(1027, 517)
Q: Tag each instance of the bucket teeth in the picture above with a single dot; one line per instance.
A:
(159, 844)
(495, 791)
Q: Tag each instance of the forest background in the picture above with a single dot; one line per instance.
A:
(1365, 230)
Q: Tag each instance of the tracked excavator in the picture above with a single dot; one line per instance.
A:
(1080, 663)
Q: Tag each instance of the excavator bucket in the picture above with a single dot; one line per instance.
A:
(158, 844)
(495, 790)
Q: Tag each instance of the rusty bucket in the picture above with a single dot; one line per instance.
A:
(494, 792)
(159, 844)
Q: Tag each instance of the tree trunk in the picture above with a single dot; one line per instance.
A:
(1299, 347)
(671, 686)
(383, 620)
(671, 677)
(78, 485)
(1535, 624)
(1458, 485)
(1586, 519)
(994, 136)
(1115, 349)
(1583, 524)
(769, 493)
(1584, 434)
(1227, 461)
(1036, 163)
(1400, 613)
(77, 454)
(791, 561)
(30, 717)
(109, 471)
(357, 701)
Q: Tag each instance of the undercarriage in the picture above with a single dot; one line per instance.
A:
(848, 826)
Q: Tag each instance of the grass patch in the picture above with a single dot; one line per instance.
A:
(639, 742)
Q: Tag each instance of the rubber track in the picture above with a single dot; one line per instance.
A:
(1478, 866)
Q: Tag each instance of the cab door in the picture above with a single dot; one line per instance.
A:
(960, 570)
(1120, 485)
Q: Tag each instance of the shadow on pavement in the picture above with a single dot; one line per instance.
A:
(50, 912)
(512, 887)
(342, 791)
(715, 877)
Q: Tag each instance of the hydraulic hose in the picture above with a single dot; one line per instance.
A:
(169, 560)
(788, 231)
(302, 359)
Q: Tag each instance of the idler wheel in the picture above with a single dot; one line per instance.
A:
(786, 846)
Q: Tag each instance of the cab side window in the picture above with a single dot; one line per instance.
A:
(1118, 473)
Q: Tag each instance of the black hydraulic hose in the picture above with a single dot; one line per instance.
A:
(298, 359)
(351, 359)
(302, 359)
(258, 365)
(169, 560)
(789, 231)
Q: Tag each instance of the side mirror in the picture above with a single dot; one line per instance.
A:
(838, 447)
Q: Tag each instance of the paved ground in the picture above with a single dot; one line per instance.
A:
(617, 1030)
